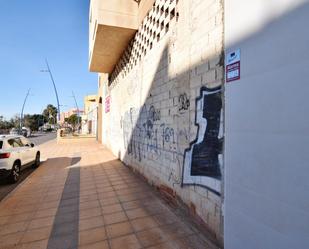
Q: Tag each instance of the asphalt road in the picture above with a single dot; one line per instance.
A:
(41, 138)
(38, 139)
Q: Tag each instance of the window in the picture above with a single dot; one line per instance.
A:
(1, 144)
(16, 142)
(25, 142)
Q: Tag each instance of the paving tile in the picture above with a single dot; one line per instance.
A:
(92, 235)
(197, 242)
(36, 234)
(4, 219)
(48, 205)
(65, 229)
(152, 237)
(89, 204)
(24, 209)
(91, 212)
(87, 198)
(90, 223)
(13, 228)
(104, 189)
(10, 240)
(173, 244)
(69, 209)
(88, 192)
(127, 242)
(131, 205)
(45, 213)
(177, 229)
(65, 241)
(144, 224)
(119, 229)
(41, 244)
(105, 206)
(41, 222)
(111, 209)
(98, 245)
(109, 201)
(129, 197)
(69, 202)
(165, 218)
(136, 213)
(115, 218)
(21, 217)
(65, 217)
(122, 186)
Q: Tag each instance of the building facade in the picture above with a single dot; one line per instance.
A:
(90, 116)
(185, 104)
(65, 115)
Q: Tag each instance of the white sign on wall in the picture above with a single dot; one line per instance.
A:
(233, 66)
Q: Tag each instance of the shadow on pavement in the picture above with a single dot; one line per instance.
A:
(6, 187)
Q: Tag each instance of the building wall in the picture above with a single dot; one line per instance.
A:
(156, 100)
(101, 80)
(267, 126)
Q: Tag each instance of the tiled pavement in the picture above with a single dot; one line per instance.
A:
(82, 197)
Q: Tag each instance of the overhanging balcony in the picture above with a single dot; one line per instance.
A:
(112, 26)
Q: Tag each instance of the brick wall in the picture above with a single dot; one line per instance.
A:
(154, 100)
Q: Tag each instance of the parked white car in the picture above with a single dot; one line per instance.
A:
(26, 132)
(16, 153)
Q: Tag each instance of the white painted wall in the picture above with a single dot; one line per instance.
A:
(267, 126)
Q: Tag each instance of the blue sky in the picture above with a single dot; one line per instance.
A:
(31, 31)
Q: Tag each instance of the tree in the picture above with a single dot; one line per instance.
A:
(5, 125)
(15, 120)
(73, 120)
(33, 121)
(50, 113)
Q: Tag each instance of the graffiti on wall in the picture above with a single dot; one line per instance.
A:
(184, 102)
(203, 159)
(107, 104)
(146, 136)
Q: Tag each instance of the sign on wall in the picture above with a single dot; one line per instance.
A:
(233, 66)
(107, 104)
(203, 159)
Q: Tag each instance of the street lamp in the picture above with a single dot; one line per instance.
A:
(52, 79)
(77, 109)
(22, 110)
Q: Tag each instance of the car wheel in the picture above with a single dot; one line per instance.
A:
(37, 160)
(15, 173)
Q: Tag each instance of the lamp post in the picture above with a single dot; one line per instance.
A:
(55, 88)
(22, 111)
(77, 109)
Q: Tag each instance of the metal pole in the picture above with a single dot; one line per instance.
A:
(73, 95)
(55, 88)
(22, 110)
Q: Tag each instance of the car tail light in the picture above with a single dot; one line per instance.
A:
(4, 155)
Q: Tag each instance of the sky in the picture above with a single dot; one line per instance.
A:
(31, 31)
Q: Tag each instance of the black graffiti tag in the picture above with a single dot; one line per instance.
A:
(184, 102)
(153, 114)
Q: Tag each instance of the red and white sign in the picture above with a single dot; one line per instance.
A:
(233, 72)
(232, 69)
(107, 104)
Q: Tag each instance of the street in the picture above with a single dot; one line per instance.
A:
(41, 138)
(38, 139)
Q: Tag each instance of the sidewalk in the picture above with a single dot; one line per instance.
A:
(82, 197)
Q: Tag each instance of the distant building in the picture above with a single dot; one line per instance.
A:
(90, 116)
(67, 114)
